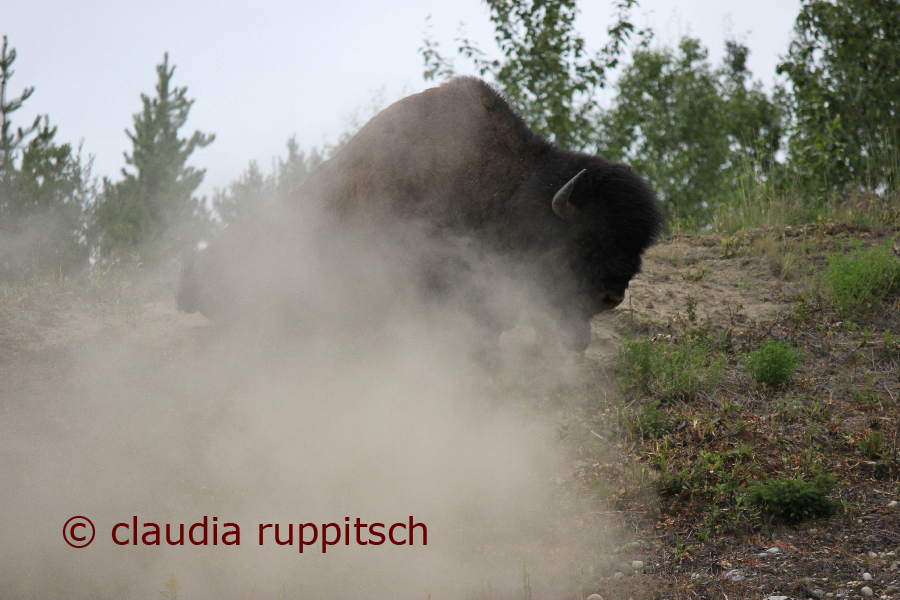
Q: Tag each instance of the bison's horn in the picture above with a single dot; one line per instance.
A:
(186, 296)
(561, 206)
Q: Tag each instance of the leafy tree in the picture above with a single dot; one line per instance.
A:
(152, 210)
(754, 122)
(46, 193)
(546, 73)
(689, 128)
(844, 68)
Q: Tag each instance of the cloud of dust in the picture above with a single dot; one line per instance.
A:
(354, 386)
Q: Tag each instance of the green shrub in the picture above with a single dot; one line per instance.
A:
(788, 500)
(860, 280)
(648, 422)
(872, 445)
(678, 370)
(774, 362)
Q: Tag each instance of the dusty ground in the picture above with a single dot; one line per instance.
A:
(60, 340)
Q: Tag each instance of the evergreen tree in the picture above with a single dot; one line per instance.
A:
(152, 210)
(253, 188)
(46, 193)
(11, 142)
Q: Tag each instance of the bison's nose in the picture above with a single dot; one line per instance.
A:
(611, 299)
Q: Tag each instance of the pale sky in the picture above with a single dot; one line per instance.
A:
(263, 71)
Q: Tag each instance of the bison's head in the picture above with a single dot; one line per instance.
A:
(606, 217)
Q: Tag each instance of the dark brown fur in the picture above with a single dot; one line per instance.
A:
(459, 159)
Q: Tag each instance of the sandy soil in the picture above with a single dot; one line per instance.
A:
(113, 404)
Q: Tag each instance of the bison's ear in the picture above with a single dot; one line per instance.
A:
(564, 209)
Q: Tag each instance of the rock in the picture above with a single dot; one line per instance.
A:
(595, 597)
(637, 565)
(626, 569)
(773, 550)
(776, 598)
(892, 504)
(734, 575)
(695, 576)
(867, 577)
(866, 591)
(619, 575)
(891, 590)
(817, 593)
(813, 530)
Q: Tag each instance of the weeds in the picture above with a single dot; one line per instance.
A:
(732, 246)
(890, 346)
(696, 274)
(667, 371)
(648, 422)
(782, 255)
(872, 445)
(800, 312)
(773, 363)
(690, 307)
(861, 280)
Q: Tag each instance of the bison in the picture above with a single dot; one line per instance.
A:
(458, 159)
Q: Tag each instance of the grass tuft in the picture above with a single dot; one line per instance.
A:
(667, 371)
(862, 279)
(773, 363)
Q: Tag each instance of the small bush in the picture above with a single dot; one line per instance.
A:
(648, 422)
(860, 280)
(774, 362)
(667, 370)
(788, 500)
(872, 445)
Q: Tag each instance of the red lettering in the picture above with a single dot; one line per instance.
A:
(290, 539)
(114, 538)
(391, 534)
(201, 525)
(303, 541)
(358, 527)
(236, 533)
(325, 542)
(154, 533)
(379, 534)
(412, 526)
(75, 537)
(261, 528)
(180, 541)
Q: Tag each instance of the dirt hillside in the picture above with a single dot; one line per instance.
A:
(114, 404)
